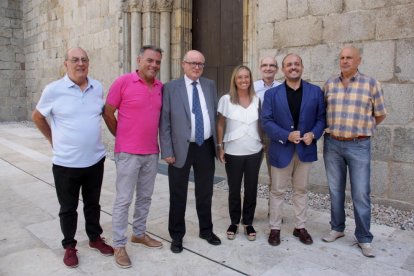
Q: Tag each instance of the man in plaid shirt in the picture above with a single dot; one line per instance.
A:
(355, 106)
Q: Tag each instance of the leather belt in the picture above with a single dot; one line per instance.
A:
(348, 139)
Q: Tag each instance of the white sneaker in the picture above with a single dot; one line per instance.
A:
(332, 236)
(366, 249)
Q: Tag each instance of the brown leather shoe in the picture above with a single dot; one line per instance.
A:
(146, 241)
(274, 237)
(303, 235)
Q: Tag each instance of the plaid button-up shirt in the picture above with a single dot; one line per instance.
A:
(351, 111)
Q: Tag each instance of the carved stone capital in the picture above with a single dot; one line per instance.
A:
(136, 5)
(149, 6)
(164, 5)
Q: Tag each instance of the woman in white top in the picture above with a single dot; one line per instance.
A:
(240, 148)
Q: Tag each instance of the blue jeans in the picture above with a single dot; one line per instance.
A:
(356, 156)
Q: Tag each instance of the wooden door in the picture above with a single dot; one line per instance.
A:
(218, 33)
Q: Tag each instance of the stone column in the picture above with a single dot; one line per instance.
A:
(136, 31)
(150, 23)
(165, 9)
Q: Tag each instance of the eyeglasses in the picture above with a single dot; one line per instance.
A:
(268, 65)
(77, 60)
(195, 64)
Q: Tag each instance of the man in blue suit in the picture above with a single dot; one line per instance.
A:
(293, 116)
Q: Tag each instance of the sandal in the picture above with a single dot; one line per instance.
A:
(232, 231)
(250, 232)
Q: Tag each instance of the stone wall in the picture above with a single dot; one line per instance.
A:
(384, 31)
(52, 26)
(13, 101)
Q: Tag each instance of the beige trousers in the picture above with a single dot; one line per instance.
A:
(297, 173)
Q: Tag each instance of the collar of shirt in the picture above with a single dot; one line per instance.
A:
(71, 83)
(137, 78)
(353, 78)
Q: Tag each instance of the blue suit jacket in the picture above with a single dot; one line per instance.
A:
(277, 122)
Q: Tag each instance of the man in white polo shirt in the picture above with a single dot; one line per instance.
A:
(74, 106)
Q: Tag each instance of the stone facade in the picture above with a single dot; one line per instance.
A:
(384, 31)
(13, 93)
(36, 33)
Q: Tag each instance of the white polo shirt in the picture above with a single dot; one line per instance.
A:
(75, 121)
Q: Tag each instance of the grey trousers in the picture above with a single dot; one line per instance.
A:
(137, 172)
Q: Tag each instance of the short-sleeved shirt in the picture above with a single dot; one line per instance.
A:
(241, 136)
(260, 88)
(351, 110)
(75, 121)
(139, 108)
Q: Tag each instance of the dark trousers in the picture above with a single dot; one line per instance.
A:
(68, 182)
(201, 158)
(237, 167)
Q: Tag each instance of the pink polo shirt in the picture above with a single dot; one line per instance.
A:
(139, 109)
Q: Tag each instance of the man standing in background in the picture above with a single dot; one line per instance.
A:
(268, 71)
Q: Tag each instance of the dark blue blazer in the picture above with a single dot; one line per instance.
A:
(277, 122)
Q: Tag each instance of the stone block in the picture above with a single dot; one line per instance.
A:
(18, 33)
(403, 145)
(298, 32)
(7, 53)
(381, 144)
(265, 36)
(324, 61)
(378, 59)
(92, 10)
(5, 22)
(297, 8)
(395, 22)
(4, 41)
(352, 5)
(6, 32)
(399, 99)
(324, 7)
(104, 8)
(402, 188)
(348, 27)
(7, 65)
(317, 174)
(404, 69)
(272, 10)
(379, 179)
(11, 13)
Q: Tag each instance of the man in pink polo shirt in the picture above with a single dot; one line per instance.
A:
(138, 98)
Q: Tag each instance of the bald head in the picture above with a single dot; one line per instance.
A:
(73, 49)
(193, 64)
(349, 60)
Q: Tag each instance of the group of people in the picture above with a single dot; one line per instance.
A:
(185, 122)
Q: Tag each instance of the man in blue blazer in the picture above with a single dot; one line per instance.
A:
(187, 138)
(293, 116)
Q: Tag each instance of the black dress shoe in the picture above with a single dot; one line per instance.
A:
(177, 246)
(303, 235)
(274, 237)
(211, 239)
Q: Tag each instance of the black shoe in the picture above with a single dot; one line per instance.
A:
(177, 246)
(211, 239)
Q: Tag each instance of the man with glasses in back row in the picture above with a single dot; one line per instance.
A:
(188, 138)
(268, 71)
(74, 106)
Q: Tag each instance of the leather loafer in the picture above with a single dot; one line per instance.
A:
(177, 246)
(303, 235)
(274, 237)
(211, 239)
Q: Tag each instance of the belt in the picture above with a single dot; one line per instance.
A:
(348, 139)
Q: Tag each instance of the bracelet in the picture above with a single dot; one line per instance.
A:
(219, 145)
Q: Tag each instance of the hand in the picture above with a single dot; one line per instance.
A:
(308, 138)
(294, 137)
(169, 160)
(220, 155)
